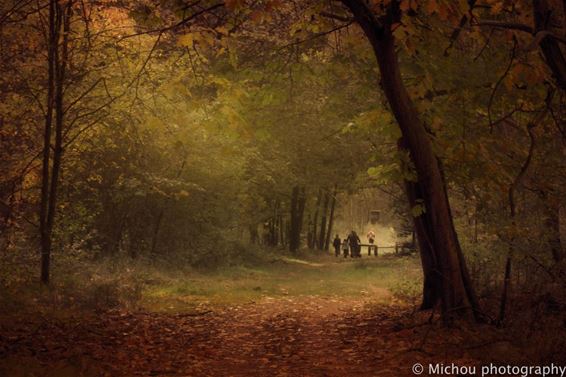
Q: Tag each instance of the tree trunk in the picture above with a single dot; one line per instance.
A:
(512, 215)
(550, 47)
(432, 280)
(310, 239)
(301, 213)
(157, 228)
(45, 235)
(330, 221)
(456, 293)
(273, 231)
(553, 225)
(254, 235)
(59, 22)
(315, 219)
(322, 235)
(281, 226)
(297, 210)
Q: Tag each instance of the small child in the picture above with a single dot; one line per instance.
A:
(345, 247)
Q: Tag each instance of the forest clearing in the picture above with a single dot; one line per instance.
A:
(282, 187)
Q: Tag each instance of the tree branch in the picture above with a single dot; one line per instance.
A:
(504, 25)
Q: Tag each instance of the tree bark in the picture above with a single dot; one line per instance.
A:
(59, 22)
(553, 224)
(432, 279)
(281, 225)
(550, 47)
(512, 214)
(330, 221)
(456, 293)
(297, 210)
(301, 213)
(254, 235)
(315, 220)
(45, 178)
(322, 235)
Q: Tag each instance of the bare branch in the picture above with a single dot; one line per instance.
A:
(498, 83)
(178, 24)
(504, 25)
(335, 17)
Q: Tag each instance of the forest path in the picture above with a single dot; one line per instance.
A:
(307, 336)
(278, 331)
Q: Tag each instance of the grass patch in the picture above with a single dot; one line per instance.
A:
(172, 286)
(373, 278)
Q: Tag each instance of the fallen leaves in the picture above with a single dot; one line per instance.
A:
(309, 336)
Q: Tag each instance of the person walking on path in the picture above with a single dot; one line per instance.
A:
(371, 240)
(337, 243)
(354, 242)
(345, 247)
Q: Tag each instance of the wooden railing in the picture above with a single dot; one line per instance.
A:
(399, 247)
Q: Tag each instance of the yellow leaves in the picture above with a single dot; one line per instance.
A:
(94, 178)
(182, 194)
(204, 38)
(186, 40)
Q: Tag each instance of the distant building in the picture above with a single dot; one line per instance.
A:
(374, 216)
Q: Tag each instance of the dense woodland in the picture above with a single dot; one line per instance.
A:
(208, 133)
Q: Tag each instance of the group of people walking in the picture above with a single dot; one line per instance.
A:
(352, 245)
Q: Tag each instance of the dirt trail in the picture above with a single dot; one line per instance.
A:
(305, 336)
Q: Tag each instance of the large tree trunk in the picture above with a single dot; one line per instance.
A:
(432, 280)
(456, 293)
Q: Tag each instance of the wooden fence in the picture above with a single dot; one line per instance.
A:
(399, 247)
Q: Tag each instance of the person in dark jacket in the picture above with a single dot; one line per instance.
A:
(354, 242)
(336, 243)
(345, 247)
